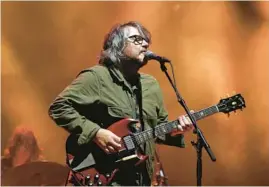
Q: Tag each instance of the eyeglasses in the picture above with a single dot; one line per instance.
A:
(136, 39)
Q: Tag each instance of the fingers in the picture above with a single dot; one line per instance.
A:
(101, 143)
(116, 142)
(111, 149)
(108, 141)
(180, 128)
(181, 124)
(113, 144)
(185, 122)
(107, 150)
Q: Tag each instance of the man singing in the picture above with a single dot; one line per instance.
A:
(113, 90)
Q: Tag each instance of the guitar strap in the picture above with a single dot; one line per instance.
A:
(139, 108)
(143, 178)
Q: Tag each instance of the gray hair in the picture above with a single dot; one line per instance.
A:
(114, 43)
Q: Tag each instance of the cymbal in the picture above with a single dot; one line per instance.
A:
(36, 174)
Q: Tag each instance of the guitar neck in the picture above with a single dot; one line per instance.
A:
(167, 128)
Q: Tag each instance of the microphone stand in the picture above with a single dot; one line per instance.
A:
(201, 141)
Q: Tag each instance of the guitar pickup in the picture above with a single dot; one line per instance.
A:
(129, 143)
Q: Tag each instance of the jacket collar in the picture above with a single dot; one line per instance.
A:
(117, 74)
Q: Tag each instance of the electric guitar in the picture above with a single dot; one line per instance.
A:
(91, 166)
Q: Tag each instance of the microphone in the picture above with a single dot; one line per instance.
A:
(149, 55)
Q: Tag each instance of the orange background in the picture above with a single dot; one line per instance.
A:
(216, 48)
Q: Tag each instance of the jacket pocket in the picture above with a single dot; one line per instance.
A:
(117, 112)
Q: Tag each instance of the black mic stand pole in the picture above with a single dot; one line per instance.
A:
(201, 141)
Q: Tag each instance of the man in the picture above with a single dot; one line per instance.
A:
(23, 163)
(22, 148)
(113, 90)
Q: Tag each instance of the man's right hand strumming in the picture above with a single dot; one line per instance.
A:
(107, 140)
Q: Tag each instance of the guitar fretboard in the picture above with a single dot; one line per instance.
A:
(166, 128)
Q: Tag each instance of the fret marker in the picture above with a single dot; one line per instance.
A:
(201, 113)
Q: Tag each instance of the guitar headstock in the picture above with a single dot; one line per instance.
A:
(232, 103)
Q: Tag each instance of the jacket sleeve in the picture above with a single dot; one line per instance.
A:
(162, 113)
(83, 91)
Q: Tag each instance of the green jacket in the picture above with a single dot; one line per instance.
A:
(100, 96)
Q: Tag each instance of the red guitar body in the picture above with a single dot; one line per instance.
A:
(91, 166)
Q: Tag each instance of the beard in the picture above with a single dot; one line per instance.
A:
(135, 62)
(127, 60)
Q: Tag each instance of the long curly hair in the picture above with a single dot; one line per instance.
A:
(23, 136)
(114, 43)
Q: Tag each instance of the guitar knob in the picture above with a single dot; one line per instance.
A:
(87, 179)
(99, 183)
(90, 184)
(108, 175)
(96, 177)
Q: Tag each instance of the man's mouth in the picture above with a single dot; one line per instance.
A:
(144, 51)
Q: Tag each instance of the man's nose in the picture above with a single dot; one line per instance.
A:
(145, 44)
